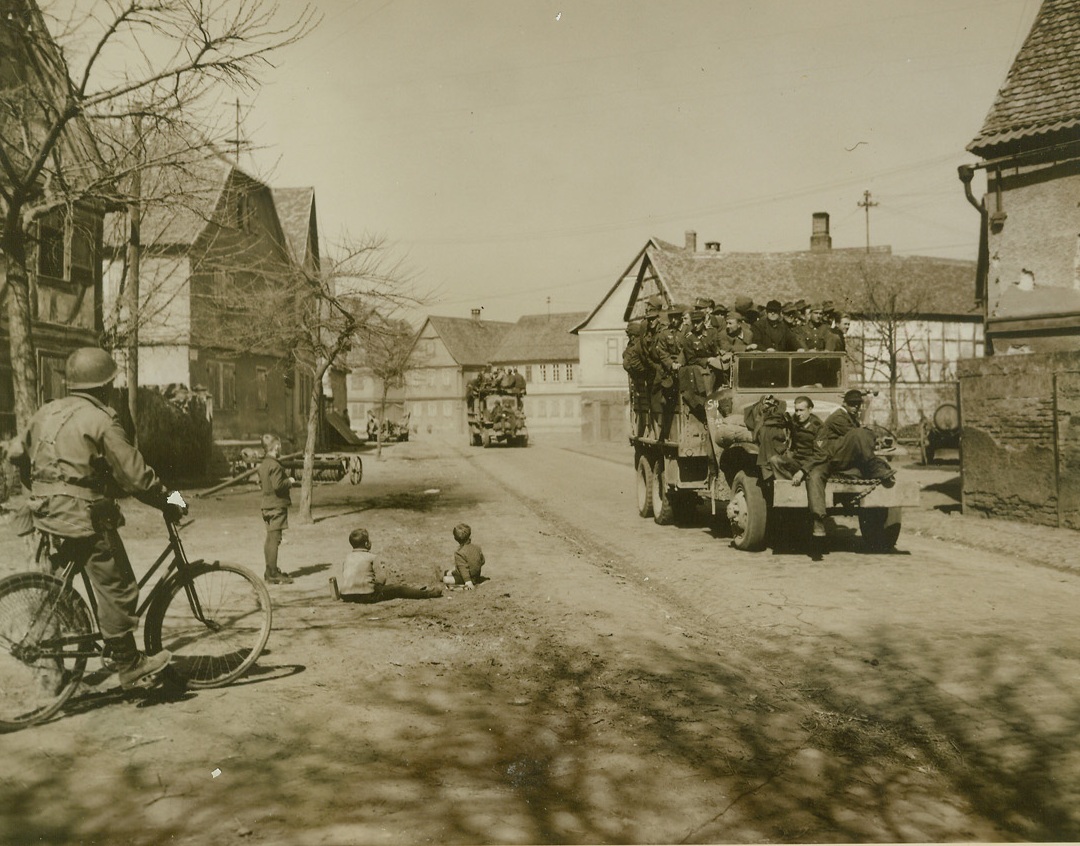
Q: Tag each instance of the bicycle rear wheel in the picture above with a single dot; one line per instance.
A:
(214, 619)
(39, 623)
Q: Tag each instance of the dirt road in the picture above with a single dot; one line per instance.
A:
(614, 681)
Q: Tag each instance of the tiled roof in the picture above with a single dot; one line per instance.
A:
(294, 206)
(1041, 94)
(541, 337)
(470, 342)
(940, 286)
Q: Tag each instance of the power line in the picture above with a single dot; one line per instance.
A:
(867, 204)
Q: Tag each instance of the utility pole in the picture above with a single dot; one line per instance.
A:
(237, 141)
(867, 204)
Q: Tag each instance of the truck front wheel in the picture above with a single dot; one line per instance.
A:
(880, 527)
(644, 487)
(747, 513)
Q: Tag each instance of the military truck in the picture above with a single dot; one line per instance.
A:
(496, 417)
(715, 459)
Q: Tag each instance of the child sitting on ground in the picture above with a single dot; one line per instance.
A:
(359, 582)
(468, 560)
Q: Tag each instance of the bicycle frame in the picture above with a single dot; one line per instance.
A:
(94, 642)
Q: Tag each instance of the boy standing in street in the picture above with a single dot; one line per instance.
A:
(274, 483)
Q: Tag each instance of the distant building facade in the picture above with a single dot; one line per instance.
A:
(448, 352)
(542, 349)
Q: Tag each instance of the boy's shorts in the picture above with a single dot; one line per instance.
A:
(276, 518)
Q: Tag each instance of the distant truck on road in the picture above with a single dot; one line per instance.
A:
(496, 417)
(715, 460)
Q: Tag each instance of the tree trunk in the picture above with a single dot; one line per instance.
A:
(303, 516)
(24, 375)
(134, 256)
(378, 436)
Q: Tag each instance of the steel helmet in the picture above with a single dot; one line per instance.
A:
(89, 367)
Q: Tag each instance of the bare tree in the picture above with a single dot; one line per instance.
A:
(69, 87)
(891, 305)
(315, 314)
(386, 344)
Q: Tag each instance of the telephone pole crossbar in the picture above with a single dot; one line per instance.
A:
(867, 204)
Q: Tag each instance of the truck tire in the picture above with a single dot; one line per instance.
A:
(663, 514)
(747, 513)
(880, 528)
(644, 487)
(485, 439)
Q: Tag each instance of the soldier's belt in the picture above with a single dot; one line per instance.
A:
(40, 488)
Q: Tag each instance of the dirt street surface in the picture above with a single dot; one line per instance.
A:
(614, 681)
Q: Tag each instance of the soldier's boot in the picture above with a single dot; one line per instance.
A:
(136, 669)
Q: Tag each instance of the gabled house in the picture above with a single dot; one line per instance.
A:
(543, 350)
(448, 352)
(64, 245)
(225, 239)
(1021, 422)
(936, 319)
(1029, 258)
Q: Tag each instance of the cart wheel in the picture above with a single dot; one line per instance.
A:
(356, 469)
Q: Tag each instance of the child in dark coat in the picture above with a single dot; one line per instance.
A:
(468, 560)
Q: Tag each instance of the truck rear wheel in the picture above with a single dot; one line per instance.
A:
(747, 513)
(663, 514)
(880, 527)
(644, 487)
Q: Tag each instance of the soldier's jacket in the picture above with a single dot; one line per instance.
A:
(698, 348)
(819, 337)
(735, 343)
(774, 335)
(75, 453)
(634, 362)
(798, 337)
(667, 355)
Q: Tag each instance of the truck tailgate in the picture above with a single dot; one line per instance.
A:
(840, 493)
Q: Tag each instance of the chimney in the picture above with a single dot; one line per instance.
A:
(712, 246)
(820, 239)
(691, 240)
(476, 314)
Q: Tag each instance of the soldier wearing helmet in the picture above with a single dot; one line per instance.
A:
(75, 459)
(639, 371)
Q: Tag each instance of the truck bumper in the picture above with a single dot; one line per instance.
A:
(841, 494)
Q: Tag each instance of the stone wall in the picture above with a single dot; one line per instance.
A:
(1021, 437)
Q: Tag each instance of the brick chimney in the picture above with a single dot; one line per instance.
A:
(476, 314)
(712, 246)
(691, 240)
(820, 239)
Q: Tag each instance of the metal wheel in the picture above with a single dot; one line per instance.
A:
(747, 513)
(214, 619)
(644, 487)
(39, 623)
(356, 469)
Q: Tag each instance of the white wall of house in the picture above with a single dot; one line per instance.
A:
(553, 396)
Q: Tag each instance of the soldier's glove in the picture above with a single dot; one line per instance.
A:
(174, 508)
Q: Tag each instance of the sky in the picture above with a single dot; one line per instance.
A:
(518, 154)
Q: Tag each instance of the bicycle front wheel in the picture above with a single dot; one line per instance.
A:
(214, 619)
(41, 625)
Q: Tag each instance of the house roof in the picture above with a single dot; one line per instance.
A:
(541, 337)
(941, 286)
(470, 342)
(1040, 98)
(294, 208)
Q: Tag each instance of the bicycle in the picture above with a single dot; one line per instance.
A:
(214, 618)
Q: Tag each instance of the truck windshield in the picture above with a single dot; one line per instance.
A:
(758, 371)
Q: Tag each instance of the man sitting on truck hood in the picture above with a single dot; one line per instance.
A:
(843, 444)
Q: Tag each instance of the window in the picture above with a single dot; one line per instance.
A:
(568, 405)
(554, 373)
(261, 401)
(447, 408)
(82, 254)
(222, 378)
(614, 354)
(528, 373)
(51, 246)
(543, 372)
(569, 373)
(51, 369)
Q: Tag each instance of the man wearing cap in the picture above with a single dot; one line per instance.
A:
(75, 459)
(817, 333)
(667, 356)
(772, 333)
(638, 370)
(746, 310)
(735, 337)
(842, 444)
(793, 320)
(700, 346)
